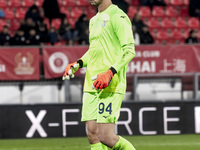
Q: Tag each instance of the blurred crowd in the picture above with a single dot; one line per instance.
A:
(34, 31)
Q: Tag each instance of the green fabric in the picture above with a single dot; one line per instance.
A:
(123, 144)
(98, 146)
(104, 147)
(103, 107)
(111, 44)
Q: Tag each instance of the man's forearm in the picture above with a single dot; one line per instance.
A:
(127, 56)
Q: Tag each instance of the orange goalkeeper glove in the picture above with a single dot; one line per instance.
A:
(71, 69)
(102, 80)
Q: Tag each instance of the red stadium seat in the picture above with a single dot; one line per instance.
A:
(68, 3)
(76, 12)
(14, 24)
(171, 11)
(72, 21)
(3, 3)
(65, 10)
(82, 3)
(162, 35)
(153, 22)
(9, 13)
(91, 11)
(132, 10)
(186, 2)
(2, 23)
(167, 2)
(177, 34)
(193, 22)
(145, 11)
(20, 13)
(39, 3)
(135, 2)
(180, 22)
(198, 34)
(176, 2)
(158, 11)
(14, 3)
(184, 11)
(27, 3)
(167, 22)
(56, 23)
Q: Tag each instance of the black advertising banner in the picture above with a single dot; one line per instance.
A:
(63, 120)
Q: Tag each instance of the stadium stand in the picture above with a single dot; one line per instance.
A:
(173, 16)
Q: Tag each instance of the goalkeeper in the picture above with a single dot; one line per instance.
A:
(111, 49)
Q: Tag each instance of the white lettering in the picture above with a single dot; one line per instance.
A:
(197, 119)
(141, 67)
(2, 68)
(36, 126)
(125, 122)
(151, 54)
(65, 123)
(166, 120)
(145, 67)
(141, 111)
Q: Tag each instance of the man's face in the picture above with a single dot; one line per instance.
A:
(96, 2)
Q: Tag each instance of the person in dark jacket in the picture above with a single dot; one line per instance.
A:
(51, 10)
(43, 32)
(66, 31)
(192, 37)
(138, 23)
(33, 38)
(53, 36)
(19, 38)
(152, 3)
(194, 8)
(81, 27)
(34, 14)
(5, 36)
(122, 4)
(145, 36)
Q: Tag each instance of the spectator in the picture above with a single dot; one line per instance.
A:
(5, 36)
(51, 10)
(34, 14)
(145, 36)
(33, 38)
(192, 37)
(2, 14)
(194, 8)
(53, 36)
(81, 27)
(136, 36)
(28, 25)
(43, 32)
(121, 4)
(66, 31)
(152, 3)
(138, 23)
(84, 38)
(19, 38)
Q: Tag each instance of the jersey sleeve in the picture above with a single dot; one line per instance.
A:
(85, 58)
(123, 30)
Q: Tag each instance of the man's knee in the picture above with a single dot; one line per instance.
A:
(92, 132)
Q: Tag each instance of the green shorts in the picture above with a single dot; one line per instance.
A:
(103, 107)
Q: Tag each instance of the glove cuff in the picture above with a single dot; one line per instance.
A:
(80, 62)
(113, 70)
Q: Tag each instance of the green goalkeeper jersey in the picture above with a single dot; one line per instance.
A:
(111, 44)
